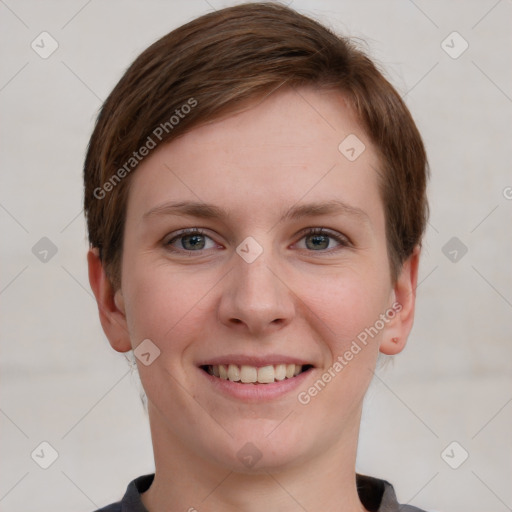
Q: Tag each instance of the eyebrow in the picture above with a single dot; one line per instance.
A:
(296, 212)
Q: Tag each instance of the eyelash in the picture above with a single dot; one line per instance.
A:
(341, 239)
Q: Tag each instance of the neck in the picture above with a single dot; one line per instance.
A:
(184, 481)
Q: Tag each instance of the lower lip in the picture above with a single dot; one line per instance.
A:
(257, 392)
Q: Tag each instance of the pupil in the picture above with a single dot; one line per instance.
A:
(195, 241)
(319, 241)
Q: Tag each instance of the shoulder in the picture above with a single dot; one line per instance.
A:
(114, 507)
(131, 501)
(379, 496)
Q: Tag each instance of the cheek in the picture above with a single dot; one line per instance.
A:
(342, 306)
(164, 306)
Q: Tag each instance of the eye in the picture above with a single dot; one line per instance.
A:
(315, 239)
(320, 239)
(190, 240)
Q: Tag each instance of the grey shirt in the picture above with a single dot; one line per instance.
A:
(376, 496)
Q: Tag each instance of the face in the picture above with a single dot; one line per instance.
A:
(254, 246)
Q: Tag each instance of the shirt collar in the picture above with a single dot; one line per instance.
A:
(375, 494)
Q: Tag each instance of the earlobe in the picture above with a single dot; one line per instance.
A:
(392, 346)
(110, 304)
(404, 293)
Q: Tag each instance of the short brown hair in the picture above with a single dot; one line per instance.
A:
(220, 61)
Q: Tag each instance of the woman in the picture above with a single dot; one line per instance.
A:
(255, 193)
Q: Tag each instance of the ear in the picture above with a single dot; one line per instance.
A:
(110, 304)
(403, 303)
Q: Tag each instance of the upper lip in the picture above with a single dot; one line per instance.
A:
(257, 361)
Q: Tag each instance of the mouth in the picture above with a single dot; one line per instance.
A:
(254, 375)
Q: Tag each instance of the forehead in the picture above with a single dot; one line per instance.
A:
(291, 145)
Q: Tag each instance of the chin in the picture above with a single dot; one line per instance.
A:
(261, 449)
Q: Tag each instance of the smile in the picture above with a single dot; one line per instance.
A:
(246, 374)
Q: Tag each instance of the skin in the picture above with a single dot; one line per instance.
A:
(295, 299)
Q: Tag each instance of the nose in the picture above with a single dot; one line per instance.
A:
(256, 298)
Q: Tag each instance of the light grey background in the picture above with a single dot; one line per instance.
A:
(63, 384)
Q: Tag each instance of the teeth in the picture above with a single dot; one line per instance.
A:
(266, 374)
(248, 374)
(251, 374)
(233, 373)
(280, 371)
